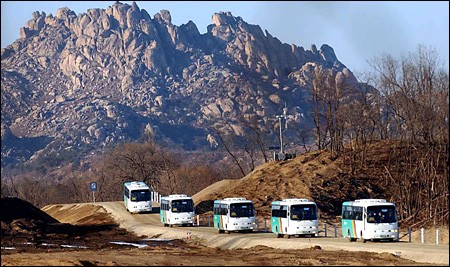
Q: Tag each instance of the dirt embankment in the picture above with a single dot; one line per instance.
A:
(27, 228)
(314, 175)
(317, 175)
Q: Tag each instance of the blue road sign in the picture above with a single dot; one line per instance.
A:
(93, 186)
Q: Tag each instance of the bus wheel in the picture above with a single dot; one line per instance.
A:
(279, 235)
(350, 239)
(171, 225)
(276, 231)
(288, 236)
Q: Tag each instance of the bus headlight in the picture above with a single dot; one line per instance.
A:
(396, 230)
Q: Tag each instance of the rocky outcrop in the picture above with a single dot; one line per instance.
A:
(90, 80)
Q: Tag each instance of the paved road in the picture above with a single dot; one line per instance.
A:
(150, 225)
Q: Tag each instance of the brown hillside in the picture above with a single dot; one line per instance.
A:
(314, 175)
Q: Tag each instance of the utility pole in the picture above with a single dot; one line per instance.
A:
(281, 132)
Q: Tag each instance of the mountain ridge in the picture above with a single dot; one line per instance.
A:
(85, 82)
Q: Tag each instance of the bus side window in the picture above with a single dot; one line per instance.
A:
(275, 211)
(358, 213)
(284, 211)
(348, 213)
(224, 209)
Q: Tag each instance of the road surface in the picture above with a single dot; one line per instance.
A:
(150, 225)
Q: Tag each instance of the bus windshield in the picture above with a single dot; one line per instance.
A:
(381, 214)
(182, 205)
(241, 210)
(140, 195)
(303, 212)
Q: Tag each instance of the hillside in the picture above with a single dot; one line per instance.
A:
(314, 175)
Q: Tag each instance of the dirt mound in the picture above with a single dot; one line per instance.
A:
(314, 175)
(27, 228)
(15, 208)
(271, 181)
(21, 217)
(79, 214)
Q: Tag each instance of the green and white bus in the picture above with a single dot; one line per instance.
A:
(234, 214)
(137, 197)
(294, 216)
(177, 210)
(369, 219)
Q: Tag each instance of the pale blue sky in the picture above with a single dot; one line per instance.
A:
(358, 31)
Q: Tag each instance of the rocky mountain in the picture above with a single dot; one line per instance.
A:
(75, 84)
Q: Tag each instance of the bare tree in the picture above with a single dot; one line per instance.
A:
(256, 138)
(225, 140)
(319, 116)
(416, 93)
(133, 162)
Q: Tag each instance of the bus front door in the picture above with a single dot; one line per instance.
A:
(223, 223)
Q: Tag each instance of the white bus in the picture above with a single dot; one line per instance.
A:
(369, 219)
(137, 197)
(294, 216)
(177, 210)
(234, 214)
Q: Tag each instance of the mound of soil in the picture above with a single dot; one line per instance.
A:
(15, 208)
(29, 229)
(80, 214)
(315, 175)
(21, 217)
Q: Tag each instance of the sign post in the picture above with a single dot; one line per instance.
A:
(93, 187)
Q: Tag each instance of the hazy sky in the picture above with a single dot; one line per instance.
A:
(358, 31)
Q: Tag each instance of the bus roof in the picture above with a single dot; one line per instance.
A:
(176, 196)
(233, 200)
(293, 201)
(136, 185)
(367, 202)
